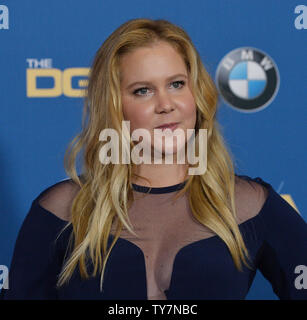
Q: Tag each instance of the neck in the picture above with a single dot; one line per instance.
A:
(160, 175)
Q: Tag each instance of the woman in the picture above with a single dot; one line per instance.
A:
(150, 230)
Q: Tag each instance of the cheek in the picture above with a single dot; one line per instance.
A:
(190, 110)
(138, 115)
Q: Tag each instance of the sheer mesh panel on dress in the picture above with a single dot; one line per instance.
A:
(163, 227)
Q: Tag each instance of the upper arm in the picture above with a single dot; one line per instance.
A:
(38, 253)
(282, 234)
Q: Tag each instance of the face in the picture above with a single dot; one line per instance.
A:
(155, 90)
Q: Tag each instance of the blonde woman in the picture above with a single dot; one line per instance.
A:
(154, 230)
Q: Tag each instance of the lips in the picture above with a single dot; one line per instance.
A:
(171, 126)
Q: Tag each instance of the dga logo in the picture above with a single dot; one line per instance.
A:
(70, 82)
(4, 277)
(4, 17)
(300, 21)
(247, 79)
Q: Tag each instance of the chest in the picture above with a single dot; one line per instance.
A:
(161, 236)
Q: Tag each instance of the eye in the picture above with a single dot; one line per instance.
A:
(178, 85)
(139, 89)
(181, 84)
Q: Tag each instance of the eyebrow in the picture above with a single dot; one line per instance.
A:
(148, 82)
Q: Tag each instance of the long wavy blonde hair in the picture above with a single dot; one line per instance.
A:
(106, 189)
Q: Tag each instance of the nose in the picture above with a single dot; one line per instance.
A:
(164, 103)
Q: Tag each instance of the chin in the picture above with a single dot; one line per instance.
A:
(170, 150)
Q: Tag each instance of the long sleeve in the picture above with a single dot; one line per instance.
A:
(284, 248)
(35, 263)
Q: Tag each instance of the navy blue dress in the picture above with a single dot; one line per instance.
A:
(203, 269)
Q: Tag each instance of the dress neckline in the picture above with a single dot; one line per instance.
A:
(159, 190)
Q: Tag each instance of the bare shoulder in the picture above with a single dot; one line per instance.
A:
(250, 197)
(58, 198)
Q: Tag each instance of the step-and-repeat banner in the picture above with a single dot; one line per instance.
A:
(254, 50)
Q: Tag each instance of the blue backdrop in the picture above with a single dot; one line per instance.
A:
(46, 49)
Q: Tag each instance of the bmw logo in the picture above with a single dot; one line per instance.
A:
(247, 79)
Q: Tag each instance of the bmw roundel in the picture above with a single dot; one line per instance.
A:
(247, 79)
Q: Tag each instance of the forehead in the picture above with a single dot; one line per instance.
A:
(157, 61)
